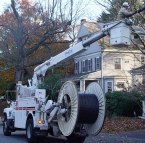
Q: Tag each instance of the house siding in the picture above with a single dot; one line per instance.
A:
(120, 78)
(108, 72)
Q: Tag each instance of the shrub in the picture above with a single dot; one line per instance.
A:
(52, 84)
(123, 104)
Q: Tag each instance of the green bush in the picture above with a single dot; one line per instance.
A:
(123, 104)
(52, 84)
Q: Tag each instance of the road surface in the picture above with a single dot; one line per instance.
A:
(127, 137)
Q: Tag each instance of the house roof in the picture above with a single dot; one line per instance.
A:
(87, 28)
(92, 75)
(86, 76)
(139, 30)
(92, 27)
(96, 75)
(139, 71)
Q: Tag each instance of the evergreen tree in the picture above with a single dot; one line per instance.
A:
(112, 8)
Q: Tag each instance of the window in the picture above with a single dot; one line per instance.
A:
(135, 36)
(142, 59)
(86, 65)
(77, 67)
(117, 63)
(143, 79)
(83, 66)
(98, 63)
(109, 85)
(89, 66)
(84, 38)
(120, 85)
(142, 37)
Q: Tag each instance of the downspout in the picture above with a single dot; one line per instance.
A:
(102, 81)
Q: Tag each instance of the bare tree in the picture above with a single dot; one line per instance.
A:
(27, 27)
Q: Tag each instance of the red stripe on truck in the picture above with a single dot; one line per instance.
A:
(25, 108)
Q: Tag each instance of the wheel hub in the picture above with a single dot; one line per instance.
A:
(67, 105)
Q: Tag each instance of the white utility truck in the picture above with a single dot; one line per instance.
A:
(75, 115)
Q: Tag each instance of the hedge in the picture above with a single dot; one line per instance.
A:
(124, 104)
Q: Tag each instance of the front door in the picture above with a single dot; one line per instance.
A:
(108, 86)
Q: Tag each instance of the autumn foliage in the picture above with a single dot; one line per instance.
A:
(7, 77)
(123, 124)
(30, 34)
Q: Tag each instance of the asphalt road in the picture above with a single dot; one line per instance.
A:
(127, 137)
(20, 137)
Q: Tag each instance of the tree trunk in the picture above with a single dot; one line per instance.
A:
(19, 76)
(20, 56)
(19, 44)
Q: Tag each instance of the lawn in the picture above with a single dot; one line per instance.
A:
(122, 124)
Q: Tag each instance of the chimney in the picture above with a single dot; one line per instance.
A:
(83, 21)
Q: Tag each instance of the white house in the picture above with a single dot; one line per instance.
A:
(109, 66)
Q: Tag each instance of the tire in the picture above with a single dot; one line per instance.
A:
(76, 138)
(6, 130)
(30, 134)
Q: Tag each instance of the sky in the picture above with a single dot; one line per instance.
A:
(93, 11)
(3, 4)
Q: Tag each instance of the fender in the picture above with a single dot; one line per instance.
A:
(30, 115)
(9, 112)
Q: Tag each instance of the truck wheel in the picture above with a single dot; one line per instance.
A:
(30, 131)
(6, 130)
(76, 138)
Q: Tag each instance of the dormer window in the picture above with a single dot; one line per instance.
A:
(84, 38)
(142, 60)
(136, 36)
(142, 37)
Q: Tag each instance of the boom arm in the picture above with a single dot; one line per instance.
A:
(79, 47)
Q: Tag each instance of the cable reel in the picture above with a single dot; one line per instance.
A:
(84, 108)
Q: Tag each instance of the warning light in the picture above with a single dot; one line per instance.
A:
(39, 121)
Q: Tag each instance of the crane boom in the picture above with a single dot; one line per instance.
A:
(41, 69)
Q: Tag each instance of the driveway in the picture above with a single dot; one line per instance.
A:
(126, 137)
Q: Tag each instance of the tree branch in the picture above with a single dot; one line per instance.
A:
(14, 9)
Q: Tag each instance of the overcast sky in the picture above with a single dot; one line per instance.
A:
(92, 10)
(3, 4)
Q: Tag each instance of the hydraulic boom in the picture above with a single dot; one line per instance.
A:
(70, 52)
